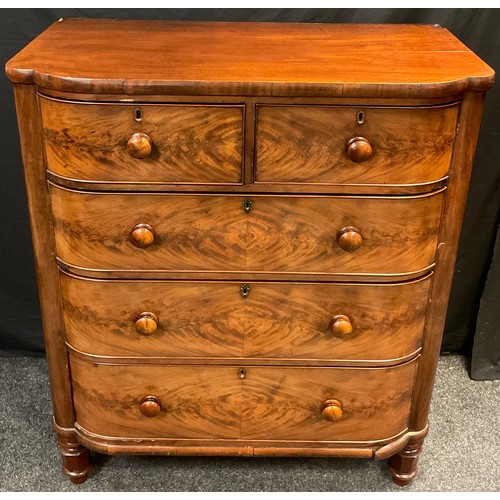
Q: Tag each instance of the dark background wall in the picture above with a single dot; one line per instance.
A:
(479, 29)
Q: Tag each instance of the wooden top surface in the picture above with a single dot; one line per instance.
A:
(352, 60)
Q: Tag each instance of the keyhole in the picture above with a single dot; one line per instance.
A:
(242, 373)
(247, 205)
(360, 117)
(138, 115)
(244, 290)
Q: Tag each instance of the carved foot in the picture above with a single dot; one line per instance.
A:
(403, 465)
(75, 457)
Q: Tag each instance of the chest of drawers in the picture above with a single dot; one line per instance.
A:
(245, 234)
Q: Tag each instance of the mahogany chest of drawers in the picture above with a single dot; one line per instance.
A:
(245, 234)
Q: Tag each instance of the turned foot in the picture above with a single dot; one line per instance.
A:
(75, 457)
(403, 465)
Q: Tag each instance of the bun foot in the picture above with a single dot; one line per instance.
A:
(403, 466)
(75, 457)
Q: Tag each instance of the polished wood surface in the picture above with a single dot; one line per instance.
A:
(341, 326)
(146, 323)
(173, 143)
(308, 144)
(332, 410)
(205, 319)
(212, 232)
(349, 239)
(283, 402)
(139, 145)
(150, 406)
(359, 149)
(75, 457)
(142, 235)
(274, 231)
(249, 59)
(42, 234)
(449, 237)
(403, 465)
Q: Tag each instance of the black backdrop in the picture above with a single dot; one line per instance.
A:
(479, 29)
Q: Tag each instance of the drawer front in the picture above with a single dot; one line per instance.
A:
(346, 322)
(213, 233)
(308, 144)
(180, 143)
(268, 403)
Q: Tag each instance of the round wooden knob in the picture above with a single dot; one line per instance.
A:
(359, 149)
(341, 326)
(146, 323)
(142, 235)
(139, 145)
(332, 410)
(349, 239)
(150, 406)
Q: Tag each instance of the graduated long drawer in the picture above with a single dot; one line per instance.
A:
(238, 402)
(300, 322)
(388, 236)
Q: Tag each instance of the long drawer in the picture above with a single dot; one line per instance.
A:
(153, 143)
(231, 402)
(263, 234)
(300, 321)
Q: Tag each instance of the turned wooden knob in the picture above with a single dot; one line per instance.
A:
(359, 149)
(139, 145)
(146, 323)
(142, 235)
(332, 410)
(341, 325)
(349, 239)
(150, 406)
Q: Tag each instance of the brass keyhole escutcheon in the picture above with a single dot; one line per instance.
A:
(247, 205)
(244, 290)
(242, 373)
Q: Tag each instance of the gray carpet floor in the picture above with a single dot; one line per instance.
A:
(461, 452)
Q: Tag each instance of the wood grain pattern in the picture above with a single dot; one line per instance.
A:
(449, 237)
(246, 189)
(299, 234)
(216, 373)
(195, 319)
(270, 403)
(308, 144)
(155, 57)
(30, 129)
(190, 143)
(212, 232)
(276, 320)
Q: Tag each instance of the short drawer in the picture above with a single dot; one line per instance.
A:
(348, 323)
(143, 143)
(354, 145)
(235, 402)
(227, 233)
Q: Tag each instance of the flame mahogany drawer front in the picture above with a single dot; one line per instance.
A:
(264, 403)
(354, 145)
(350, 323)
(240, 251)
(392, 236)
(183, 143)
